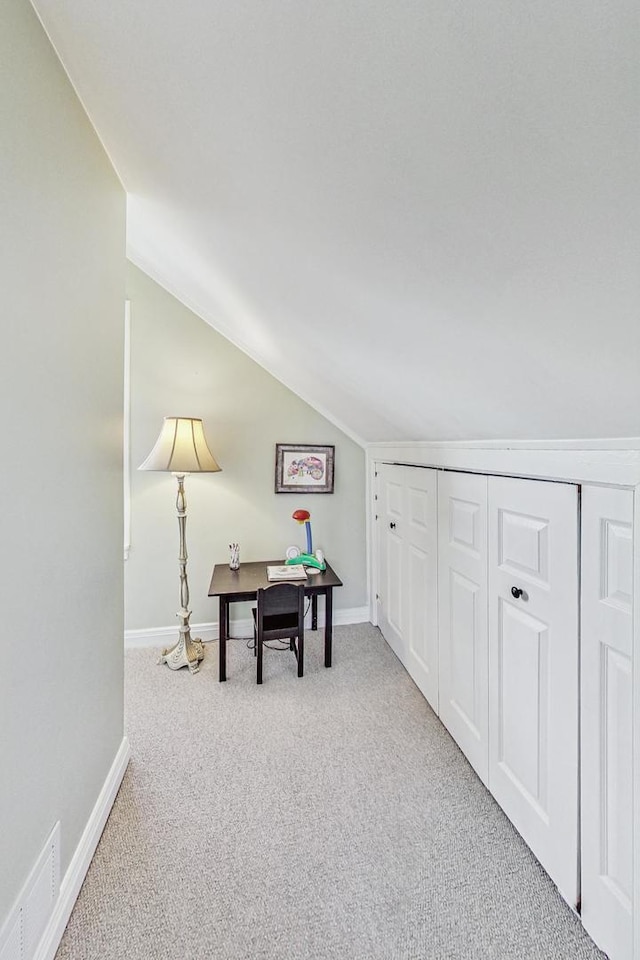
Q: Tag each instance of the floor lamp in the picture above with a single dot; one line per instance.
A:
(180, 449)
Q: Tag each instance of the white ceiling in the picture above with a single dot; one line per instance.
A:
(421, 215)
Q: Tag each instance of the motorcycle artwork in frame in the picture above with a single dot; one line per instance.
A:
(304, 468)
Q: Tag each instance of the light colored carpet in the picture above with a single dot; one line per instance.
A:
(323, 818)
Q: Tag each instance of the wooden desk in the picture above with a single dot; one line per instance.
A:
(234, 586)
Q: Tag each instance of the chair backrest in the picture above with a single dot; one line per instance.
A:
(281, 599)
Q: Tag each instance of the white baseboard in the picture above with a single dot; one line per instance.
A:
(342, 618)
(167, 636)
(77, 870)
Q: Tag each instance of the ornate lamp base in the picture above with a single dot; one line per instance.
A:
(187, 652)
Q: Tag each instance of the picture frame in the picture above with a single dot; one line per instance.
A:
(304, 468)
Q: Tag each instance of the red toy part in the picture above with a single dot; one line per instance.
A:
(303, 516)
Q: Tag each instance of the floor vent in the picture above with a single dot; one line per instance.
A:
(27, 921)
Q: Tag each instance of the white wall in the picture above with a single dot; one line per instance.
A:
(181, 367)
(62, 282)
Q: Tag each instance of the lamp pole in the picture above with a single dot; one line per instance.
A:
(188, 651)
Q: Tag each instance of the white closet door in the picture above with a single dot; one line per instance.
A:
(421, 536)
(391, 586)
(462, 606)
(407, 593)
(606, 754)
(533, 668)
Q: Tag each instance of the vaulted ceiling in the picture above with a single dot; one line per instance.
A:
(421, 215)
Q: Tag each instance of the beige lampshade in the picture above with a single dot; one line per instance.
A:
(181, 448)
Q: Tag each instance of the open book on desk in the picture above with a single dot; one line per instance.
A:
(289, 571)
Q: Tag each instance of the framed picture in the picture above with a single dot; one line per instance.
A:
(304, 468)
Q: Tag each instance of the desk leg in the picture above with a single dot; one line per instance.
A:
(328, 625)
(314, 611)
(224, 633)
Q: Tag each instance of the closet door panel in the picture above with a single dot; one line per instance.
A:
(523, 701)
(533, 667)
(462, 605)
(606, 718)
(407, 571)
(421, 593)
(391, 501)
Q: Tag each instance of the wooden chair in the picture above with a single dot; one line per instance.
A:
(279, 615)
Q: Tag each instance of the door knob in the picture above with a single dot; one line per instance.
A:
(516, 592)
(392, 525)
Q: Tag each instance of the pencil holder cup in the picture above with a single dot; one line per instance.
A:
(234, 556)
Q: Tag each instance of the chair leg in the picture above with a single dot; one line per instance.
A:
(301, 655)
(259, 666)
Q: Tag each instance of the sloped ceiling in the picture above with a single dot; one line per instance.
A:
(421, 215)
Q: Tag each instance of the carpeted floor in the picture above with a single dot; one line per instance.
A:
(323, 818)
